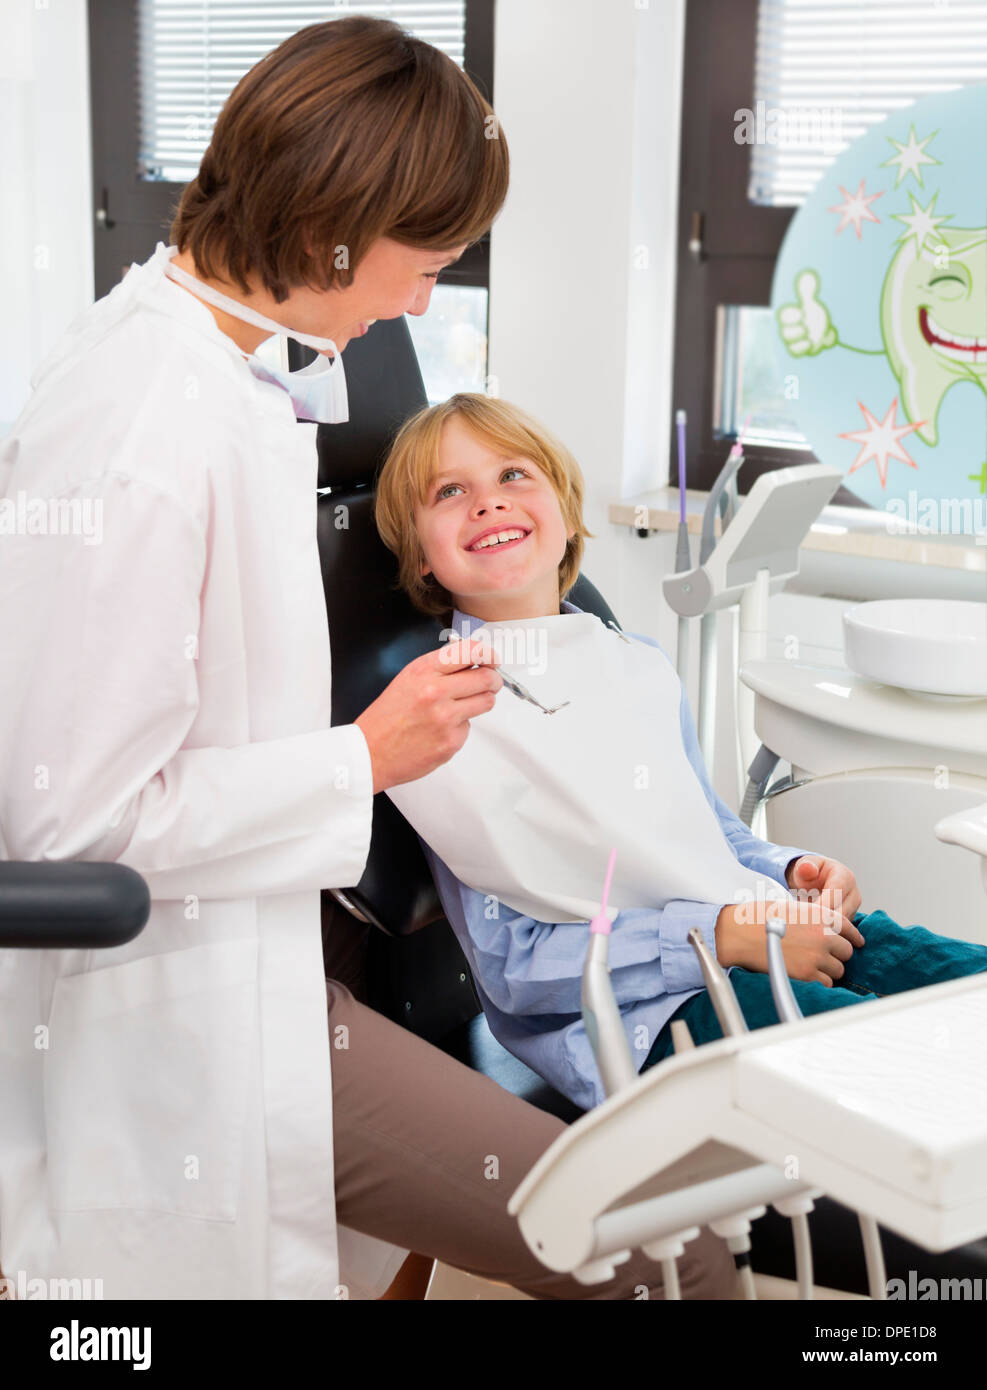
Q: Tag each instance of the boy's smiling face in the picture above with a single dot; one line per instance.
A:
(479, 495)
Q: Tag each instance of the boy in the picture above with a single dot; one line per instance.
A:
(484, 511)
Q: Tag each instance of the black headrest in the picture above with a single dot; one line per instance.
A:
(384, 386)
(373, 627)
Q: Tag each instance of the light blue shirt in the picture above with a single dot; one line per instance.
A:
(528, 974)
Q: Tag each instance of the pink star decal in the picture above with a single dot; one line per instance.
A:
(881, 441)
(855, 208)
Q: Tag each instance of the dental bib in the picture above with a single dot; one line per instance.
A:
(529, 808)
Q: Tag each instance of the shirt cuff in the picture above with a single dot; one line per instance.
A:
(680, 966)
(775, 861)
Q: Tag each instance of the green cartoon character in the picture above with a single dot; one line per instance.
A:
(933, 317)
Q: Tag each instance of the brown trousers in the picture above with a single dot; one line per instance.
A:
(428, 1153)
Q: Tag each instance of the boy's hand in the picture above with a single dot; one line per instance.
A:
(422, 718)
(813, 947)
(830, 883)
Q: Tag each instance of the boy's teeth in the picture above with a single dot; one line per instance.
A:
(499, 538)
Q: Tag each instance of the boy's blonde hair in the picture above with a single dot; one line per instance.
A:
(413, 462)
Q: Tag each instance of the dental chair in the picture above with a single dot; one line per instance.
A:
(416, 972)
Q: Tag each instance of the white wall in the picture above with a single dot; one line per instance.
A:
(46, 235)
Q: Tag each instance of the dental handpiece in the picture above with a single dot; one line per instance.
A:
(601, 1016)
(781, 986)
(718, 985)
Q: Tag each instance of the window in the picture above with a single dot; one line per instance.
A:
(149, 135)
(830, 71)
(774, 91)
(191, 56)
(451, 341)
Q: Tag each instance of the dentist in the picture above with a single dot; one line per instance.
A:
(189, 1115)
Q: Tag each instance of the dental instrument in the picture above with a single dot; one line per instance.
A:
(516, 688)
(781, 986)
(683, 558)
(728, 1010)
(756, 554)
(601, 1016)
(722, 499)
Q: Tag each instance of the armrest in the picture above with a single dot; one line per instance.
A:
(968, 829)
(66, 905)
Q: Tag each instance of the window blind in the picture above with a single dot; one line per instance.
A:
(827, 70)
(192, 53)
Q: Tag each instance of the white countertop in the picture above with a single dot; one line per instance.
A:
(857, 531)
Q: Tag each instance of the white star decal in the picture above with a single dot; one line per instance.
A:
(911, 157)
(880, 441)
(855, 209)
(920, 221)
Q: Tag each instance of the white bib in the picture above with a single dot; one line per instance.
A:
(529, 808)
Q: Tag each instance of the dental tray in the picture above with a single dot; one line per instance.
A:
(884, 1108)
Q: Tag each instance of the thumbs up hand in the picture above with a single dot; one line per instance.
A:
(805, 326)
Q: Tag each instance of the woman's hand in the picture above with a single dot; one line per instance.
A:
(422, 718)
(813, 945)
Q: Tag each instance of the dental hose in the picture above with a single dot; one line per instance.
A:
(758, 776)
(736, 1232)
(877, 1283)
(745, 1273)
(803, 1254)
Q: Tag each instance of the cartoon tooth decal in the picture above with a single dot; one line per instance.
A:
(933, 319)
(805, 327)
(879, 316)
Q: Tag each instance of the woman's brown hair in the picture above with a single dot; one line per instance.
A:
(413, 461)
(348, 131)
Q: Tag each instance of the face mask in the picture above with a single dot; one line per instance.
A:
(318, 391)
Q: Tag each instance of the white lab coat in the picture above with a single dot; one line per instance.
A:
(165, 1106)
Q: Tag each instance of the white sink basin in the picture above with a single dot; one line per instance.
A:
(938, 646)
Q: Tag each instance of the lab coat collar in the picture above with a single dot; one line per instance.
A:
(172, 299)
